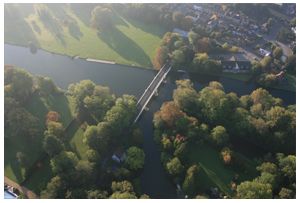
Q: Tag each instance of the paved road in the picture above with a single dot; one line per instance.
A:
(28, 193)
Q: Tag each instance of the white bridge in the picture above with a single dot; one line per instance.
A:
(151, 90)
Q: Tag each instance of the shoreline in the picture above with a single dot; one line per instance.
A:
(107, 62)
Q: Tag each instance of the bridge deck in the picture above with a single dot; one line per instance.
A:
(151, 89)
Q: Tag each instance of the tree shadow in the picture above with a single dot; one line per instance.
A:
(124, 46)
(74, 30)
(16, 28)
(83, 11)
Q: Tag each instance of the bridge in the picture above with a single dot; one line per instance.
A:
(151, 90)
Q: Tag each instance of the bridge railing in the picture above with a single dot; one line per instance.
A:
(150, 96)
(157, 74)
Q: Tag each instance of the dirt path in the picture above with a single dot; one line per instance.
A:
(30, 194)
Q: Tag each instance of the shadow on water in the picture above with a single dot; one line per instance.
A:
(124, 46)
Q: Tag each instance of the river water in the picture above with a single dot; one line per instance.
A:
(125, 80)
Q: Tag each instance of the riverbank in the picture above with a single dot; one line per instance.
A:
(130, 42)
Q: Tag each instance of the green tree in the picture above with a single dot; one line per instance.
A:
(277, 52)
(185, 96)
(85, 173)
(219, 136)
(22, 159)
(189, 183)
(286, 193)
(101, 18)
(99, 102)
(178, 58)
(97, 194)
(254, 190)
(56, 129)
(122, 190)
(135, 158)
(55, 189)
(52, 145)
(64, 163)
(174, 167)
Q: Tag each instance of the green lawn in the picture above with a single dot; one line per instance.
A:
(237, 76)
(214, 172)
(291, 84)
(39, 107)
(76, 142)
(128, 42)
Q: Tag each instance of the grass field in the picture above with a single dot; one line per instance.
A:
(290, 85)
(39, 107)
(128, 42)
(237, 76)
(214, 172)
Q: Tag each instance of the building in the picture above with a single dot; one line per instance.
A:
(264, 52)
(182, 33)
(236, 66)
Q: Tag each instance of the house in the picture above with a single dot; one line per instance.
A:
(264, 52)
(181, 32)
(235, 66)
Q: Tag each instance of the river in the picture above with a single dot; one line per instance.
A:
(125, 80)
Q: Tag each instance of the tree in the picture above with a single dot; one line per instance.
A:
(288, 166)
(20, 83)
(79, 91)
(99, 102)
(168, 114)
(267, 167)
(185, 96)
(52, 145)
(227, 155)
(291, 64)
(85, 173)
(52, 116)
(22, 159)
(93, 156)
(122, 190)
(98, 137)
(135, 158)
(46, 85)
(97, 194)
(55, 189)
(254, 190)
(101, 18)
(266, 62)
(174, 167)
(286, 193)
(219, 136)
(277, 52)
(178, 58)
(177, 18)
(55, 128)
(193, 39)
(22, 123)
(161, 57)
(189, 183)
(64, 163)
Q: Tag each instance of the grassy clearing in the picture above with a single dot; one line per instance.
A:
(290, 85)
(129, 42)
(76, 142)
(237, 76)
(214, 172)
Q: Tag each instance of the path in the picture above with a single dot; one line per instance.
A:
(28, 193)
